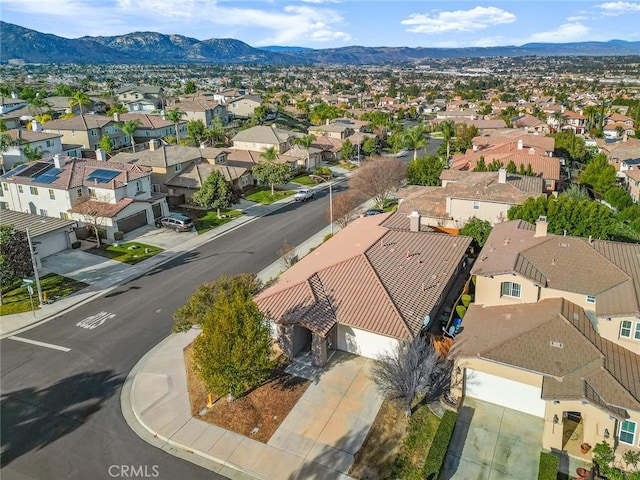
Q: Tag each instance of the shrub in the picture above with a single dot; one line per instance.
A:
(323, 172)
(438, 450)
(327, 237)
(118, 235)
(466, 299)
(461, 310)
(548, 469)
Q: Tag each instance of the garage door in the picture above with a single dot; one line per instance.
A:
(132, 222)
(51, 243)
(503, 392)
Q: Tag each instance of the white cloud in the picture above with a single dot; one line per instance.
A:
(478, 18)
(619, 8)
(577, 18)
(568, 32)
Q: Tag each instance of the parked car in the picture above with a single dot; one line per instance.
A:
(402, 153)
(373, 211)
(179, 223)
(303, 195)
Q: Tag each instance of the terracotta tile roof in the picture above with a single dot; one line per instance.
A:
(401, 221)
(556, 339)
(30, 136)
(146, 120)
(548, 167)
(429, 201)
(79, 122)
(163, 156)
(103, 209)
(264, 134)
(375, 279)
(195, 174)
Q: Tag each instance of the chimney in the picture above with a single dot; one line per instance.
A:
(101, 156)
(414, 221)
(520, 144)
(502, 175)
(58, 162)
(541, 226)
(36, 126)
(116, 116)
(152, 145)
(624, 137)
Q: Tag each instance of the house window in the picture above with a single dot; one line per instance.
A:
(52, 194)
(138, 187)
(79, 192)
(49, 143)
(43, 212)
(4, 206)
(628, 432)
(220, 159)
(33, 190)
(94, 132)
(510, 289)
(636, 335)
(178, 167)
(20, 190)
(92, 192)
(625, 328)
(73, 133)
(476, 205)
(64, 215)
(5, 186)
(591, 299)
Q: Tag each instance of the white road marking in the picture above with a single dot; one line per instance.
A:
(40, 344)
(95, 320)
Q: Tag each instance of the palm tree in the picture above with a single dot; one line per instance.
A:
(448, 129)
(305, 142)
(590, 112)
(6, 142)
(129, 128)
(39, 104)
(414, 139)
(32, 153)
(81, 99)
(175, 116)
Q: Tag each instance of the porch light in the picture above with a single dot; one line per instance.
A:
(606, 433)
(555, 419)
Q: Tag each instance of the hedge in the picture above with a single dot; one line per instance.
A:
(548, 469)
(439, 446)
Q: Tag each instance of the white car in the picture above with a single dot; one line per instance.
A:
(402, 153)
(303, 195)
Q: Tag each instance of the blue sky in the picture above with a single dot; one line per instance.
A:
(338, 23)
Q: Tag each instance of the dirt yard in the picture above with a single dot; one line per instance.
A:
(264, 408)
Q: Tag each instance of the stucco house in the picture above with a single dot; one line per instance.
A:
(363, 290)
(243, 106)
(119, 196)
(465, 195)
(554, 332)
(261, 138)
(44, 143)
(87, 130)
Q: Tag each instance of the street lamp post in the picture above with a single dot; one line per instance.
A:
(330, 198)
(33, 260)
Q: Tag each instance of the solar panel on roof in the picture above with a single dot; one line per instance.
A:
(49, 176)
(103, 176)
(35, 170)
(14, 171)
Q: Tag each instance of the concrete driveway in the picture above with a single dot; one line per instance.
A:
(492, 442)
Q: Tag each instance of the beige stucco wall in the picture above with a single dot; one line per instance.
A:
(488, 290)
(462, 210)
(610, 329)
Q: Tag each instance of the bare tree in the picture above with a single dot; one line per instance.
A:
(92, 212)
(344, 207)
(287, 254)
(411, 369)
(378, 178)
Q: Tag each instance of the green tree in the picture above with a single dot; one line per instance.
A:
(414, 140)
(189, 87)
(117, 108)
(129, 128)
(478, 229)
(81, 99)
(32, 153)
(425, 171)
(618, 197)
(570, 146)
(448, 129)
(106, 144)
(200, 301)
(15, 257)
(481, 166)
(305, 142)
(6, 142)
(576, 192)
(598, 174)
(174, 116)
(233, 352)
(63, 90)
(270, 172)
(196, 131)
(348, 150)
(511, 167)
(215, 192)
(369, 146)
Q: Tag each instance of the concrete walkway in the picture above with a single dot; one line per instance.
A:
(491, 442)
(317, 439)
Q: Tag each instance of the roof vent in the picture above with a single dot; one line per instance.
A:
(556, 344)
(564, 245)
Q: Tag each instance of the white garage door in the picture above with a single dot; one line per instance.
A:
(503, 392)
(51, 243)
(363, 343)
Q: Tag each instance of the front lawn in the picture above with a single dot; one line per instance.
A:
(54, 287)
(263, 195)
(305, 180)
(210, 219)
(130, 252)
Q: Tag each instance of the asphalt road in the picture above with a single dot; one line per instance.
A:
(60, 411)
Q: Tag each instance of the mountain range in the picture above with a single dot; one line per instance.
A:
(157, 48)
